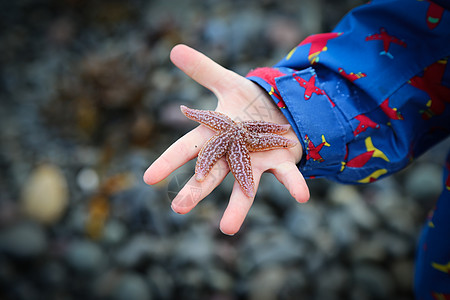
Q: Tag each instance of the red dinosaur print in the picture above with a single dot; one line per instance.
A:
(313, 151)
(387, 40)
(440, 296)
(364, 124)
(392, 113)
(447, 180)
(269, 75)
(311, 88)
(430, 82)
(434, 14)
(361, 160)
(318, 45)
(351, 76)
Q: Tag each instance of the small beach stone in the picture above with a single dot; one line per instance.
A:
(45, 196)
(132, 286)
(23, 240)
(85, 256)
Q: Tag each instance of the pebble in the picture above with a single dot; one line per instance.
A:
(88, 180)
(23, 240)
(403, 272)
(336, 279)
(424, 181)
(85, 257)
(358, 210)
(267, 283)
(45, 196)
(374, 280)
(161, 282)
(114, 232)
(138, 249)
(268, 247)
(132, 286)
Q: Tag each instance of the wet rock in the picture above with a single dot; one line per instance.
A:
(195, 246)
(342, 227)
(368, 249)
(132, 286)
(85, 256)
(139, 249)
(274, 282)
(303, 220)
(114, 232)
(261, 215)
(350, 199)
(424, 181)
(88, 179)
(336, 279)
(23, 240)
(45, 196)
(270, 247)
(377, 282)
(396, 245)
(53, 274)
(161, 282)
(403, 272)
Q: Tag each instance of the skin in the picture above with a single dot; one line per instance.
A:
(233, 93)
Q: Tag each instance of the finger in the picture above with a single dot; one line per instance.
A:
(289, 175)
(237, 208)
(200, 68)
(179, 153)
(194, 191)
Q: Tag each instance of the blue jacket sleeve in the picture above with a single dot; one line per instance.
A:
(372, 95)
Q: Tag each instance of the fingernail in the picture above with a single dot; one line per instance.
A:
(229, 234)
(171, 206)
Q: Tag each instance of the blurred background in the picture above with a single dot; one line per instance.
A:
(89, 99)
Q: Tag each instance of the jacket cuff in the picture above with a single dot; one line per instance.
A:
(311, 112)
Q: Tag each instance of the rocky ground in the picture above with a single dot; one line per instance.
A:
(89, 99)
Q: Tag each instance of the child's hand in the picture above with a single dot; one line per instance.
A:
(242, 100)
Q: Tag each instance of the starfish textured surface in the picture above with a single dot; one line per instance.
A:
(235, 141)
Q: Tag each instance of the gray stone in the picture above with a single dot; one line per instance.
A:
(403, 271)
(335, 279)
(377, 282)
(342, 227)
(350, 199)
(195, 246)
(162, 282)
(368, 249)
(45, 196)
(139, 248)
(267, 283)
(23, 240)
(132, 286)
(303, 220)
(85, 256)
(270, 247)
(424, 181)
(114, 232)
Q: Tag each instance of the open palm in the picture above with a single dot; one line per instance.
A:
(242, 100)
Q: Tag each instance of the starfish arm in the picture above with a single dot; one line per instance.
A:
(211, 152)
(238, 158)
(266, 127)
(267, 141)
(212, 119)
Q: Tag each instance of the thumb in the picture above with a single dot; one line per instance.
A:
(201, 68)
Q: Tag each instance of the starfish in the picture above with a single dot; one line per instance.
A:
(235, 141)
